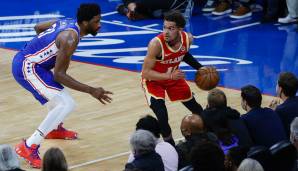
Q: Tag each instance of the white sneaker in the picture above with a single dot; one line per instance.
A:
(288, 19)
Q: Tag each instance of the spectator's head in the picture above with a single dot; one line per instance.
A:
(250, 165)
(149, 123)
(216, 99)
(142, 142)
(251, 97)
(294, 132)
(191, 124)
(88, 17)
(206, 156)
(174, 23)
(234, 157)
(287, 85)
(54, 160)
(8, 158)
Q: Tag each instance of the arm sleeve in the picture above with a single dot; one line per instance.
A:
(191, 61)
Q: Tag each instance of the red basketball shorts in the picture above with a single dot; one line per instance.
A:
(177, 90)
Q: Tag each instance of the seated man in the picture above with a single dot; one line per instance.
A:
(217, 99)
(286, 89)
(167, 152)
(143, 146)
(264, 125)
(192, 128)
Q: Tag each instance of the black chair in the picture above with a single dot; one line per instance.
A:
(284, 156)
(262, 155)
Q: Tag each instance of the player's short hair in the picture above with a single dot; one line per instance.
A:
(175, 16)
(87, 11)
(289, 83)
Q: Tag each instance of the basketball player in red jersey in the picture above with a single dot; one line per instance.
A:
(161, 73)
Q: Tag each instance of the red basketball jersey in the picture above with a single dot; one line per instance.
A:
(171, 58)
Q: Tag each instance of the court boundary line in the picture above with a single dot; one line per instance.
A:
(106, 158)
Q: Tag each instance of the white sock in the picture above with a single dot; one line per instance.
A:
(63, 105)
(35, 138)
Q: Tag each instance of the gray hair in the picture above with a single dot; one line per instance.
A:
(8, 158)
(142, 142)
(294, 128)
(250, 165)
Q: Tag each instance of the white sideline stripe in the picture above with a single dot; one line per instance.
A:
(106, 158)
(109, 13)
(227, 30)
(16, 34)
(99, 160)
(17, 26)
(151, 25)
(128, 25)
(21, 17)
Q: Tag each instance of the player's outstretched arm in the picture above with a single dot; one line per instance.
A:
(154, 50)
(40, 27)
(67, 42)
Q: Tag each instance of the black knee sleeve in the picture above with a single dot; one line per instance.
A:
(193, 106)
(159, 108)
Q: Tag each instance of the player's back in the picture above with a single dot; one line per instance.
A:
(42, 49)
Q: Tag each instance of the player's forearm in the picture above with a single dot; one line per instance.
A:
(70, 82)
(40, 27)
(191, 61)
(154, 75)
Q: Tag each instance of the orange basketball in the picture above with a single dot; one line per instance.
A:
(207, 78)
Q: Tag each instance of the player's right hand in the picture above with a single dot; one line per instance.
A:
(101, 94)
(177, 74)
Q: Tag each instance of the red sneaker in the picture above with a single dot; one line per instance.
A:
(62, 133)
(30, 154)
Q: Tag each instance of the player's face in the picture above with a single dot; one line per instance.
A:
(94, 25)
(170, 31)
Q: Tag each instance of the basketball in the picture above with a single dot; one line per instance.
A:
(207, 78)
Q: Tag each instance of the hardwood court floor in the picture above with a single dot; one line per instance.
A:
(104, 130)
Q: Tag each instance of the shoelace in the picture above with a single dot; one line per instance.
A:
(35, 152)
(61, 128)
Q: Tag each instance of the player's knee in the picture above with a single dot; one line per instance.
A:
(68, 102)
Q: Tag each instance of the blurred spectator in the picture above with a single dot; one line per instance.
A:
(54, 160)
(141, 9)
(234, 157)
(286, 89)
(250, 165)
(8, 159)
(192, 128)
(167, 152)
(294, 133)
(207, 156)
(292, 16)
(217, 99)
(263, 124)
(143, 146)
(217, 123)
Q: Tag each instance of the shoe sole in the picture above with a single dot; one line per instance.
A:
(222, 13)
(208, 10)
(240, 17)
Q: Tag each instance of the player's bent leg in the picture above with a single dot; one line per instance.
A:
(159, 108)
(193, 106)
(57, 131)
